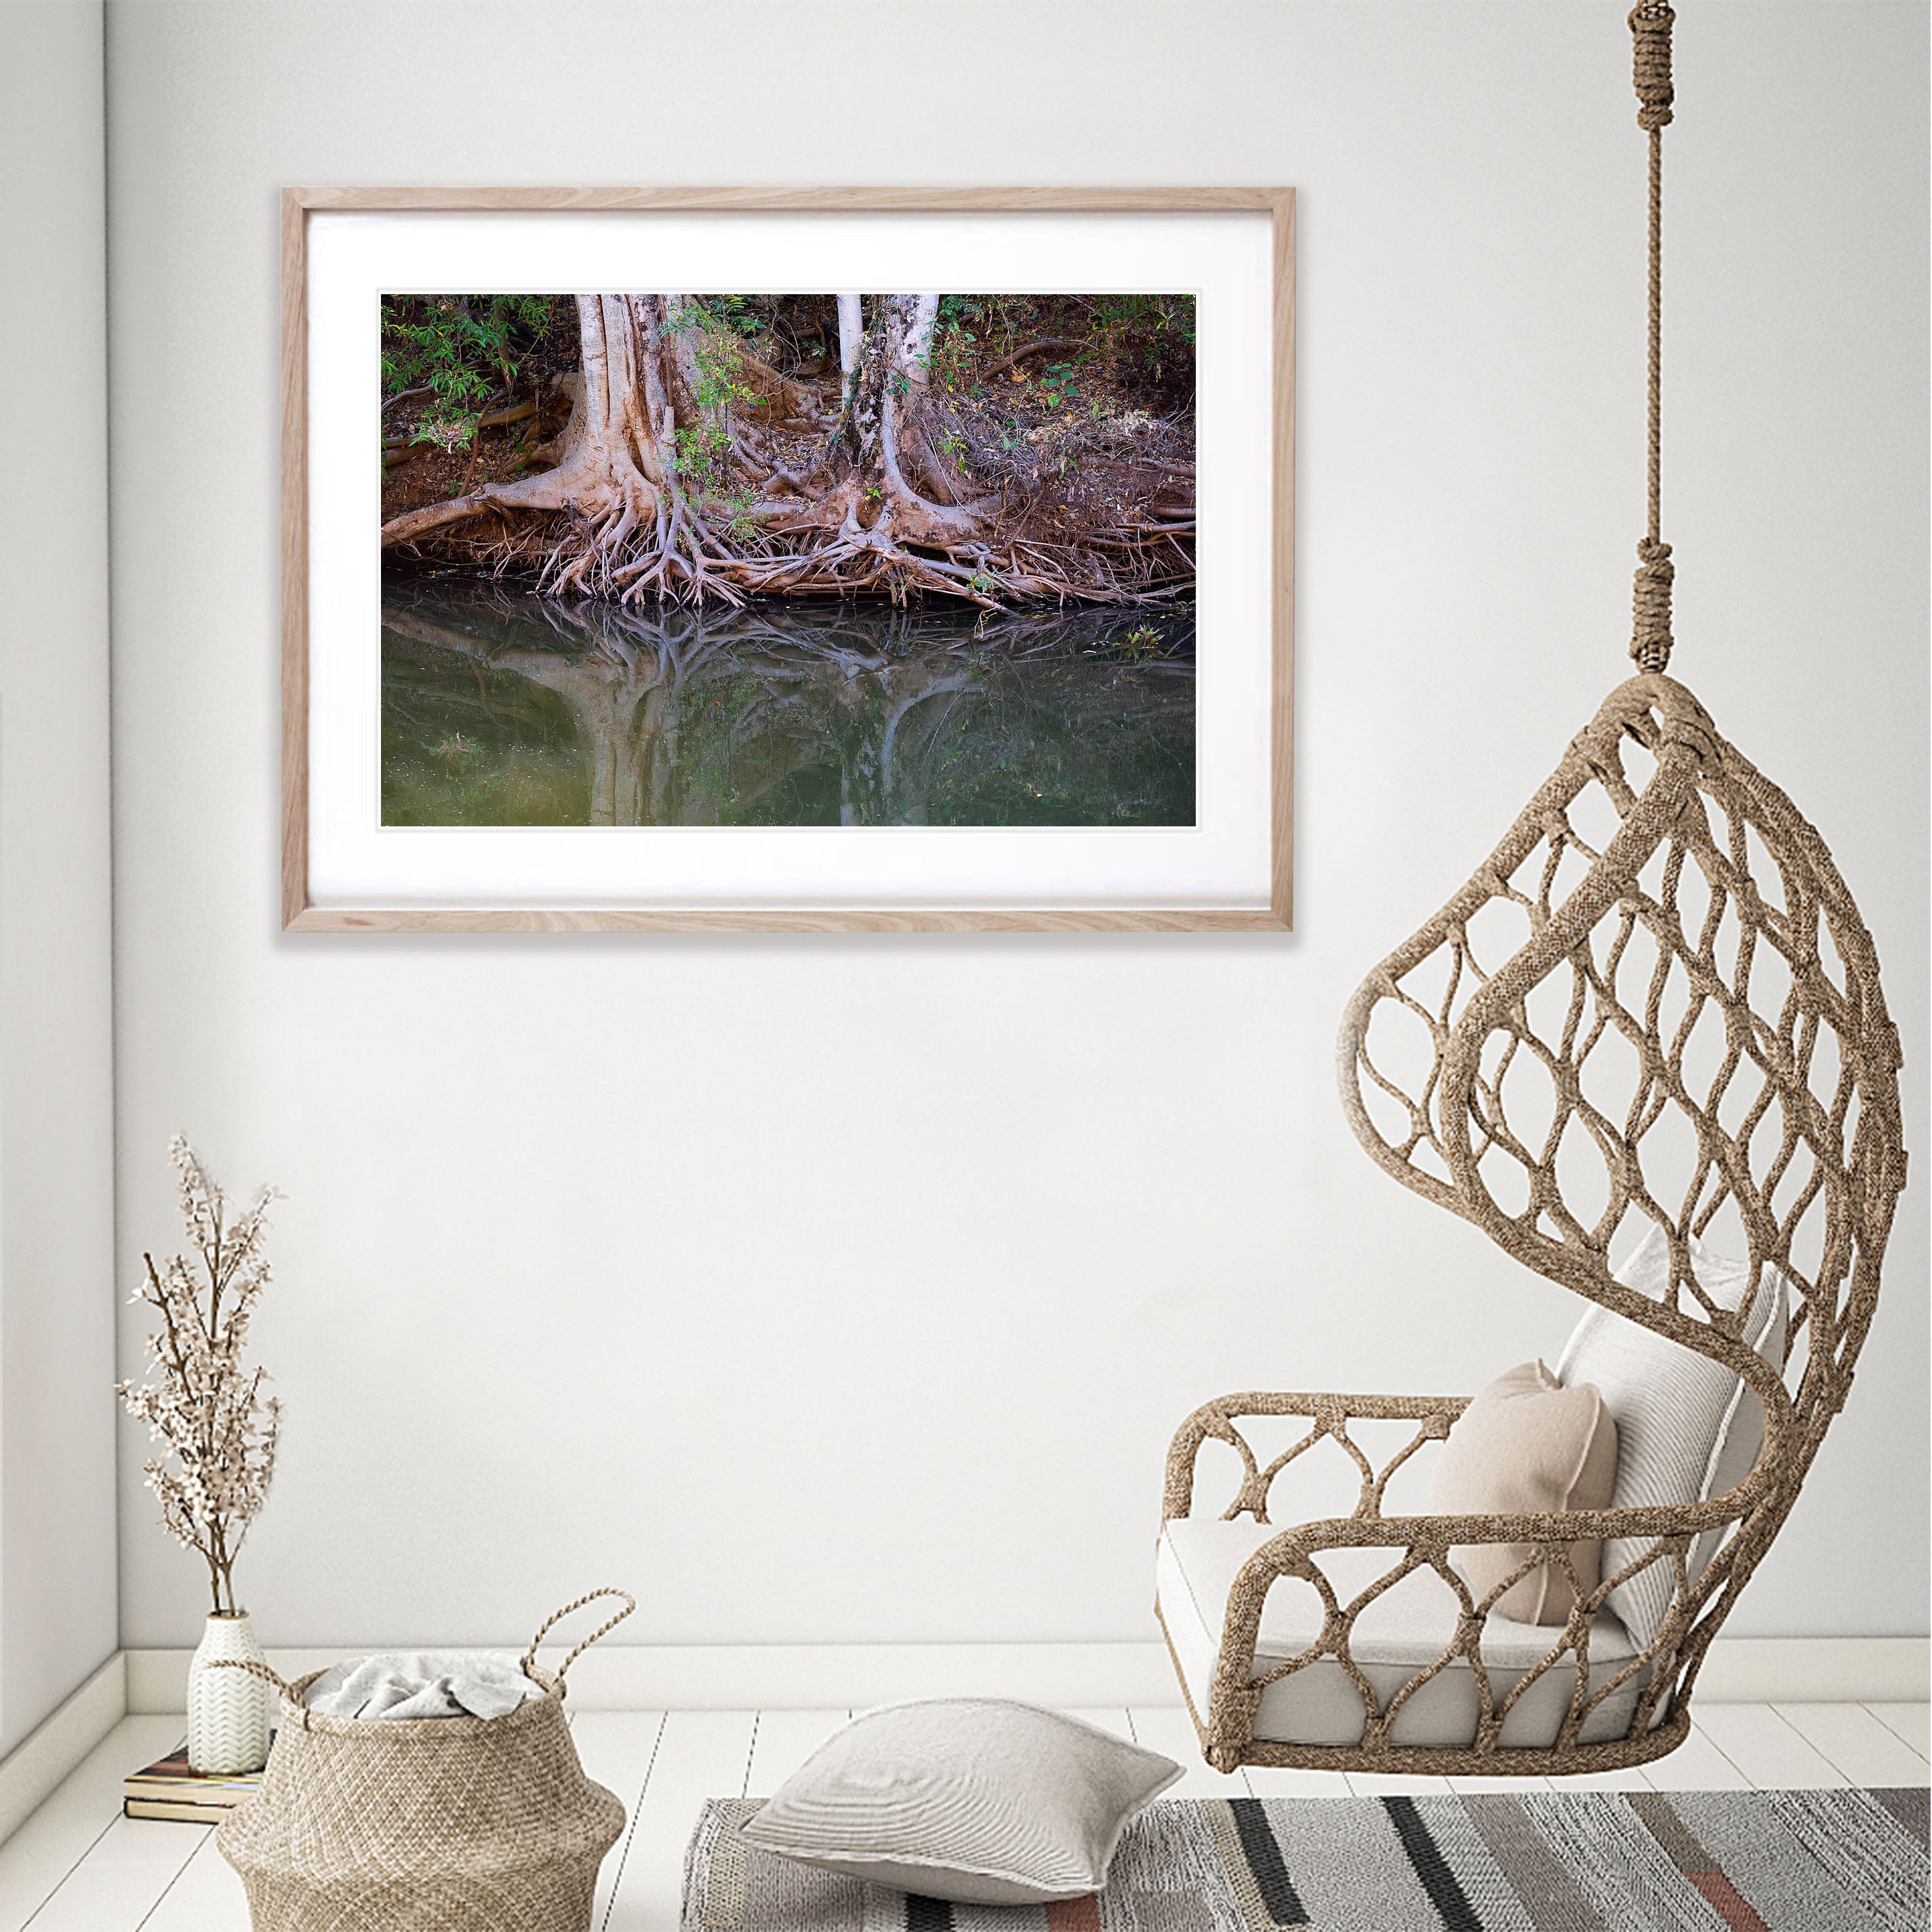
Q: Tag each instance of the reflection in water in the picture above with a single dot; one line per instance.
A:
(499, 708)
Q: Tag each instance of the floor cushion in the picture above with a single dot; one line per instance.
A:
(976, 1800)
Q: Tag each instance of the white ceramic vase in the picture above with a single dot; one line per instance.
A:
(229, 1712)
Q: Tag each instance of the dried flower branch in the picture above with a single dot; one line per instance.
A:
(220, 1430)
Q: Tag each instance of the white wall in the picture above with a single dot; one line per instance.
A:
(848, 1287)
(57, 1503)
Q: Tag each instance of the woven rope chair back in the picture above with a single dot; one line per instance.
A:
(1656, 1004)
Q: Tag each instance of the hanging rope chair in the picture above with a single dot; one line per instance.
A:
(1654, 1009)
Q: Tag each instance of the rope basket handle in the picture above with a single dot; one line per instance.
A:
(630, 1603)
(254, 1669)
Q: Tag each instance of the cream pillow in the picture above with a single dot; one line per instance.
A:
(1527, 1445)
(1688, 1429)
(970, 1799)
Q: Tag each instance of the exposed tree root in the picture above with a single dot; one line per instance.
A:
(670, 482)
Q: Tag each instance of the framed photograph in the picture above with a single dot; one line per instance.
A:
(782, 603)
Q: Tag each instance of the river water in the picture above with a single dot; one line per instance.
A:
(502, 709)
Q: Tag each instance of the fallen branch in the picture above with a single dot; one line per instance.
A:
(1046, 342)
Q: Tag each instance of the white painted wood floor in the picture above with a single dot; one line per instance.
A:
(77, 1865)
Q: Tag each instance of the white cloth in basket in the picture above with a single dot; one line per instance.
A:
(422, 1683)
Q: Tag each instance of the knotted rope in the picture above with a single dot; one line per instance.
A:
(1650, 603)
(1651, 640)
(1650, 26)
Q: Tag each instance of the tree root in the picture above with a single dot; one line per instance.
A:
(631, 512)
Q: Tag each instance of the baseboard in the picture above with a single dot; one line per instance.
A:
(768, 1677)
(41, 1763)
(1817, 1670)
(771, 1677)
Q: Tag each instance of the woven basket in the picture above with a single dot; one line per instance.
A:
(438, 1824)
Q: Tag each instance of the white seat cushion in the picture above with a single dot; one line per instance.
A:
(1403, 1630)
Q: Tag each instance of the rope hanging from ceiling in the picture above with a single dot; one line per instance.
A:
(1650, 636)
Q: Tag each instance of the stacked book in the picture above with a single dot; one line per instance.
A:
(170, 1789)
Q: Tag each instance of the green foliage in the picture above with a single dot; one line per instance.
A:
(1057, 386)
(462, 348)
(952, 341)
(704, 447)
(736, 312)
(951, 351)
(735, 507)
(1160, 329)
(704, 453)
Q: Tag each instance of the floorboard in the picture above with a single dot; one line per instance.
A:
(1696, 1765)
(1113, 1718)
(1397, 1784)
(1854, 1743)
(1167, 1728)
(1632, 1777)
(129, 1867)
(784, 1740)
(62, 1831)
(701, 1754)
(617, 1749)
(77, 1866)
(1912, 1722)
(1281, 1781)
(1766, 1748)
(1170, 1730)
(205, 1896)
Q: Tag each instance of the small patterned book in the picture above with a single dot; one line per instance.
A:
(171, 1790)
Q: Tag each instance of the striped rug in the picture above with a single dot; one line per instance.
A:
(1563, 1862)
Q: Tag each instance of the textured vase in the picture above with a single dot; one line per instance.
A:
(229, 1712)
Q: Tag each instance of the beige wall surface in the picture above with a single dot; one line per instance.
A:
(57, 1505)
(847, 1289)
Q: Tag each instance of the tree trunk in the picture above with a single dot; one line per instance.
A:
(851, 330)
(610, 479)
(919, 338)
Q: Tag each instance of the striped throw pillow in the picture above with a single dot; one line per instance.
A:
(1688, 1429)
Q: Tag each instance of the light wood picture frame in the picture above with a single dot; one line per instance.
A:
(331, 626)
